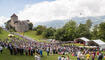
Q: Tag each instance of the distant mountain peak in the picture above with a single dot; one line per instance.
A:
(60, 23)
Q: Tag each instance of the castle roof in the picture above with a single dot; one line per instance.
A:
(14, 15)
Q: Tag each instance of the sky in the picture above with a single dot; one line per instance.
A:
(8, 7)
(49, 10)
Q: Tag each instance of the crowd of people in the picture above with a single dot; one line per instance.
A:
(18, 46)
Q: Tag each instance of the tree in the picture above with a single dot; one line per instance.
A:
(68, 32)
(9, 27)
(88, 23)
(59, 34)
(40, 29)
(102, 30)
(1, 29)
(95, 32)
(83, 31)
(49, 33)
(30, 26)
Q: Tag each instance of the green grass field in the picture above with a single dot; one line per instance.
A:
(32, 34)
(76, 44)
(6, 54)
(3, 35)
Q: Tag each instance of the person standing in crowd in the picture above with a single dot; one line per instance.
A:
(32, 51)
(41, 52)
(100, 56)
(37, 57)
(82, 56)
(87, 56)
(104, 56)
(67, 58)
(21, 50)
(51, 52)
(54, 51)
(63, 58)
(48, 50)
(10, 47)
(78, 55)
(93, 57)
(59, 58)
(97, 54)
(29, 50)
(1, 49)
(26, 51)
(15, 50)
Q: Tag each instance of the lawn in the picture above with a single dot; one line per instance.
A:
(7, 56)
(76, 44)
(3, 35)
(32, 34)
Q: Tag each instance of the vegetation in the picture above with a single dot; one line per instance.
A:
(72, 30)
(33, 35)
(49, 33)
(30, 26)
(39, 29)
(9, 27)
(6, 56)
(3, 35)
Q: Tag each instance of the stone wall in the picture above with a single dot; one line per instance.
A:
(20, 26)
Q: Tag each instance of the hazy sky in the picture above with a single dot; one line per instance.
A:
(49, 10)
(8, 7)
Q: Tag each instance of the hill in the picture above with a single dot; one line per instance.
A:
(60, 23)
(3, 35)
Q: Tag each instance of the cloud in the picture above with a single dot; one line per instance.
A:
(3, 20)
(62, 9)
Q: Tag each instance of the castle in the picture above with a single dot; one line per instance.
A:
(19, 26)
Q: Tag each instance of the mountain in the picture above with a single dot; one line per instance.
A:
(60, 23)
(54, 24)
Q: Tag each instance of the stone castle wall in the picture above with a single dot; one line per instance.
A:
(20, 26)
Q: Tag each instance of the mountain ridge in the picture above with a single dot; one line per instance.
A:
(60, 23)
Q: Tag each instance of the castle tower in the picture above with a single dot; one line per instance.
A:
(14, 18)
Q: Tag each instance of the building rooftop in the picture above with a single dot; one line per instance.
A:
(14, 15)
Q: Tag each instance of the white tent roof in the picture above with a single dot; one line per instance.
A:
(99, 42)
(84, 39)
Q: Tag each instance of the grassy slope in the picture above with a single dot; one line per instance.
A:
(3, 35)
(32, 34)
(7, 56)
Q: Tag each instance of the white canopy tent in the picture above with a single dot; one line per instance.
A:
(83, 39)
(100, 43)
